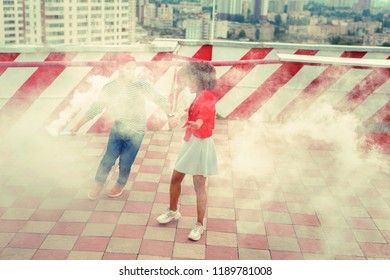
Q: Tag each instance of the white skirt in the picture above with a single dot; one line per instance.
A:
(197, 157)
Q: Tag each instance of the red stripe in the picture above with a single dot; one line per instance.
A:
(364, 89)
(377, 139)
(318, 86)
(236, 73)
(7, 57)
(266, 90)
(382, 115)
(26, 95)
(204, 53)
(159, 69)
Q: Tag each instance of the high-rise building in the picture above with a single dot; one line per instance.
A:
(12, 23)
(67, 21)
(277, 6)
(141, 4)
(363, 4)
(295, 6)
(342, 3)
(232, 7)
(261, 9)
(165, 16)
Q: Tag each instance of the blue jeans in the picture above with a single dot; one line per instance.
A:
(122, 146)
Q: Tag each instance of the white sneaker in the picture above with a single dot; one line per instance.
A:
(168, 216)
(196, 232)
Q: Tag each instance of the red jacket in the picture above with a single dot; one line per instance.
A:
(202, 108)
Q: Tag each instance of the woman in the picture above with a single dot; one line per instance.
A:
(197, 156)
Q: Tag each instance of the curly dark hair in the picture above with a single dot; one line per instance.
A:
(201, 72)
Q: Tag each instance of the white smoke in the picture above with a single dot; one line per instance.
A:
(80, 100)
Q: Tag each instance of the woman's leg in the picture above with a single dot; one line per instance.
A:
(175, 189)
(201, 196)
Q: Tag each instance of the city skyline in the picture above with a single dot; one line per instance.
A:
(130, 21)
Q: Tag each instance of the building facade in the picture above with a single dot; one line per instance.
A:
(68, 22)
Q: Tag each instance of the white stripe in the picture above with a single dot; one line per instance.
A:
(35, 117)
(382, 63)
(329, 53)
(274, 53)
(65, 82)
(188, 51)
(143, 56)
(87, 56)
(228, 54)
(373, 103)
(376, 55)
(164, 84)
(13, 78)
(343, 86)
(23, 57)
(287, 93)
(245, 88)
(221, 70)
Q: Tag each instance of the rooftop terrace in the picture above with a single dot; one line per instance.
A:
(303, 149)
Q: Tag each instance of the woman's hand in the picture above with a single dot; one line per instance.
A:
(195, 125)
(173, 122)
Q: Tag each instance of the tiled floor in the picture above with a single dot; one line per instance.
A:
(275, 198)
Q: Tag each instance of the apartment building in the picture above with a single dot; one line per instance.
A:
(12, 22)
(164, 16)
(67, 22)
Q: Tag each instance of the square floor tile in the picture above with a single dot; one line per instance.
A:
(376, 250)
(221, 225)
(105, 217)
(119, 256)
(27, 240)
(59, 242)
(191, 251)
(252, 241)
(253, 254)
(221, 253)
(91, 243)
(285, 255)
(156, 248)
(129, 231)
(17, 254)
(37, 226)
(124, 245)
(43, 254)
(288, 244)
(160, 233)
(85, 255)
(98, 229)
(314, 246)
(221, 239)
(68, 228)
(279, 230)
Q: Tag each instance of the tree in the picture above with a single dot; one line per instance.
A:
(242, 34)
(278, 20)
(257, 34)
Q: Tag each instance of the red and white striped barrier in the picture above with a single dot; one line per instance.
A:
(259, 82)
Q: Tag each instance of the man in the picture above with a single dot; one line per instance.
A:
(125, 102)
